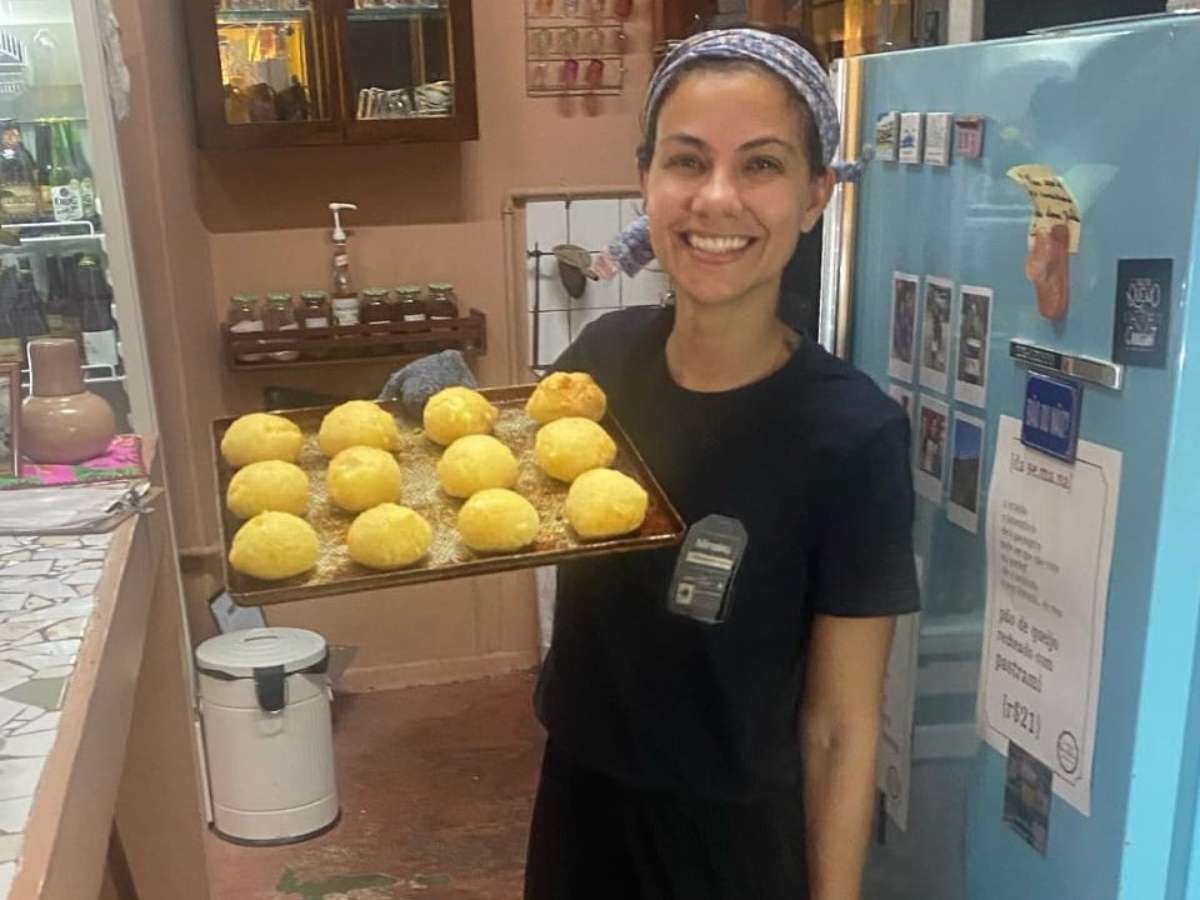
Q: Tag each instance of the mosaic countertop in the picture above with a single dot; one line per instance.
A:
(47, 595)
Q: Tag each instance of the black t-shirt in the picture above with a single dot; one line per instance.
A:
(813, 460)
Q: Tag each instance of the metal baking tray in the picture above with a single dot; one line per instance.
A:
(336, 573)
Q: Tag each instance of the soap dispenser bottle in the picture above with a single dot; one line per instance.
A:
(345, 300)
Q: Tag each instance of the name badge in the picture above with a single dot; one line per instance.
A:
(702, 587)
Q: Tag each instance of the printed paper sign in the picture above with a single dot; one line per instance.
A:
(1050, 530)
(893, 767)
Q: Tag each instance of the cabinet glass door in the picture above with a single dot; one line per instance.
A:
(269, 61)
(401, 59)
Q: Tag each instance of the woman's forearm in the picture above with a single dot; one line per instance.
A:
(839, 795)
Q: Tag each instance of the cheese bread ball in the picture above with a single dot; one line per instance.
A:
(604, 503)
(268, 486)
(362, 477)
(261, 436)
(474, 463)
(564, 394)
(566, 448)
(274, 545)
(358, 423)
(456, 412)
(388, 537)
(497, 521)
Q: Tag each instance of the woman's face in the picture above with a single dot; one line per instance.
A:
(729, 190)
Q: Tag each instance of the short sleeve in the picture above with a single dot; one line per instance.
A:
(864, 554)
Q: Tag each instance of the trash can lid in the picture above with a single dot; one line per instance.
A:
(239, 653)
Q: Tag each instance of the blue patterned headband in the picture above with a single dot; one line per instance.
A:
(780, 55)
(631, 249)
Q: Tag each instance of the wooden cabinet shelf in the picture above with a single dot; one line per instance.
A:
(390, 342)
(325, 72)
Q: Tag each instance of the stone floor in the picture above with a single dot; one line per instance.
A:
(436, 787)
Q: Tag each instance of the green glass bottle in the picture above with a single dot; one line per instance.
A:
(64, 180)
(83, 170)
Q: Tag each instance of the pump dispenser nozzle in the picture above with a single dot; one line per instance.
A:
(339, 234)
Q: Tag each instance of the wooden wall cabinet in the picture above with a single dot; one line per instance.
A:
(273, 73)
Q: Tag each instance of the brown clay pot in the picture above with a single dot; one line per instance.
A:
(61, 422)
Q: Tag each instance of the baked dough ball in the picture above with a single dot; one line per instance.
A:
(564, 394)
(388, 537)
(274, 545)
(362, 477)
(474, 463)
(268, 486)
(456, 412)
(358, 423)
(566, 448)
(497, 520)
(261, 436)
(604, 503)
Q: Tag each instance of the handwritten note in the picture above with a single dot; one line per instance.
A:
(1053, 202)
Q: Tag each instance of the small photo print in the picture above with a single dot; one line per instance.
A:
(966, 467)
(912, 138)
(901, 358)
(935, 333)
(974, 339)
(939, 134)
(887, 134)
(1027, 788)
(933, 432)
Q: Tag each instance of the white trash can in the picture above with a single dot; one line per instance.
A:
(268, 736)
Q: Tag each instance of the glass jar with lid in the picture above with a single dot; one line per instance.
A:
(243, 318)
(442, 303)
(409, 307)
(375, 309)
(280, 316)
(315, 313)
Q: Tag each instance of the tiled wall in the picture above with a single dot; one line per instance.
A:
(590, 224)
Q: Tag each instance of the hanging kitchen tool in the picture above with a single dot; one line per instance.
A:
(574, 268)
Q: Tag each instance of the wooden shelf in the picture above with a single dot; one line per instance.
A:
(394, 343)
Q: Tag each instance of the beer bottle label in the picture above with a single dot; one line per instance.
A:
(10, 350)
(87, 197)
(100, 348)
(68, 207)
(20, 203)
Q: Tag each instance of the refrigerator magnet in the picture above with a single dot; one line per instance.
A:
(887, 131)
(1142, 325)
(1052, 410)
(974, 341)
(968, 136)
(966, 468)
(939, 130)
(912, 138)
(935, 333)
(933, 432)
(903, 350)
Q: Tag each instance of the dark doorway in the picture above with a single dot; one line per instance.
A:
(1009, 18)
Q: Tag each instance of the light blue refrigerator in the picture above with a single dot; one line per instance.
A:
(937, 289)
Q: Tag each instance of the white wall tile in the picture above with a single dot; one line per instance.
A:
(580, 318)
(594, 222)
(545, 224)
(644, 289)
(631, 208)
(553, 336)
(553, 294)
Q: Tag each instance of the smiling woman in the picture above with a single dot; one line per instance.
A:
(713, 712)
